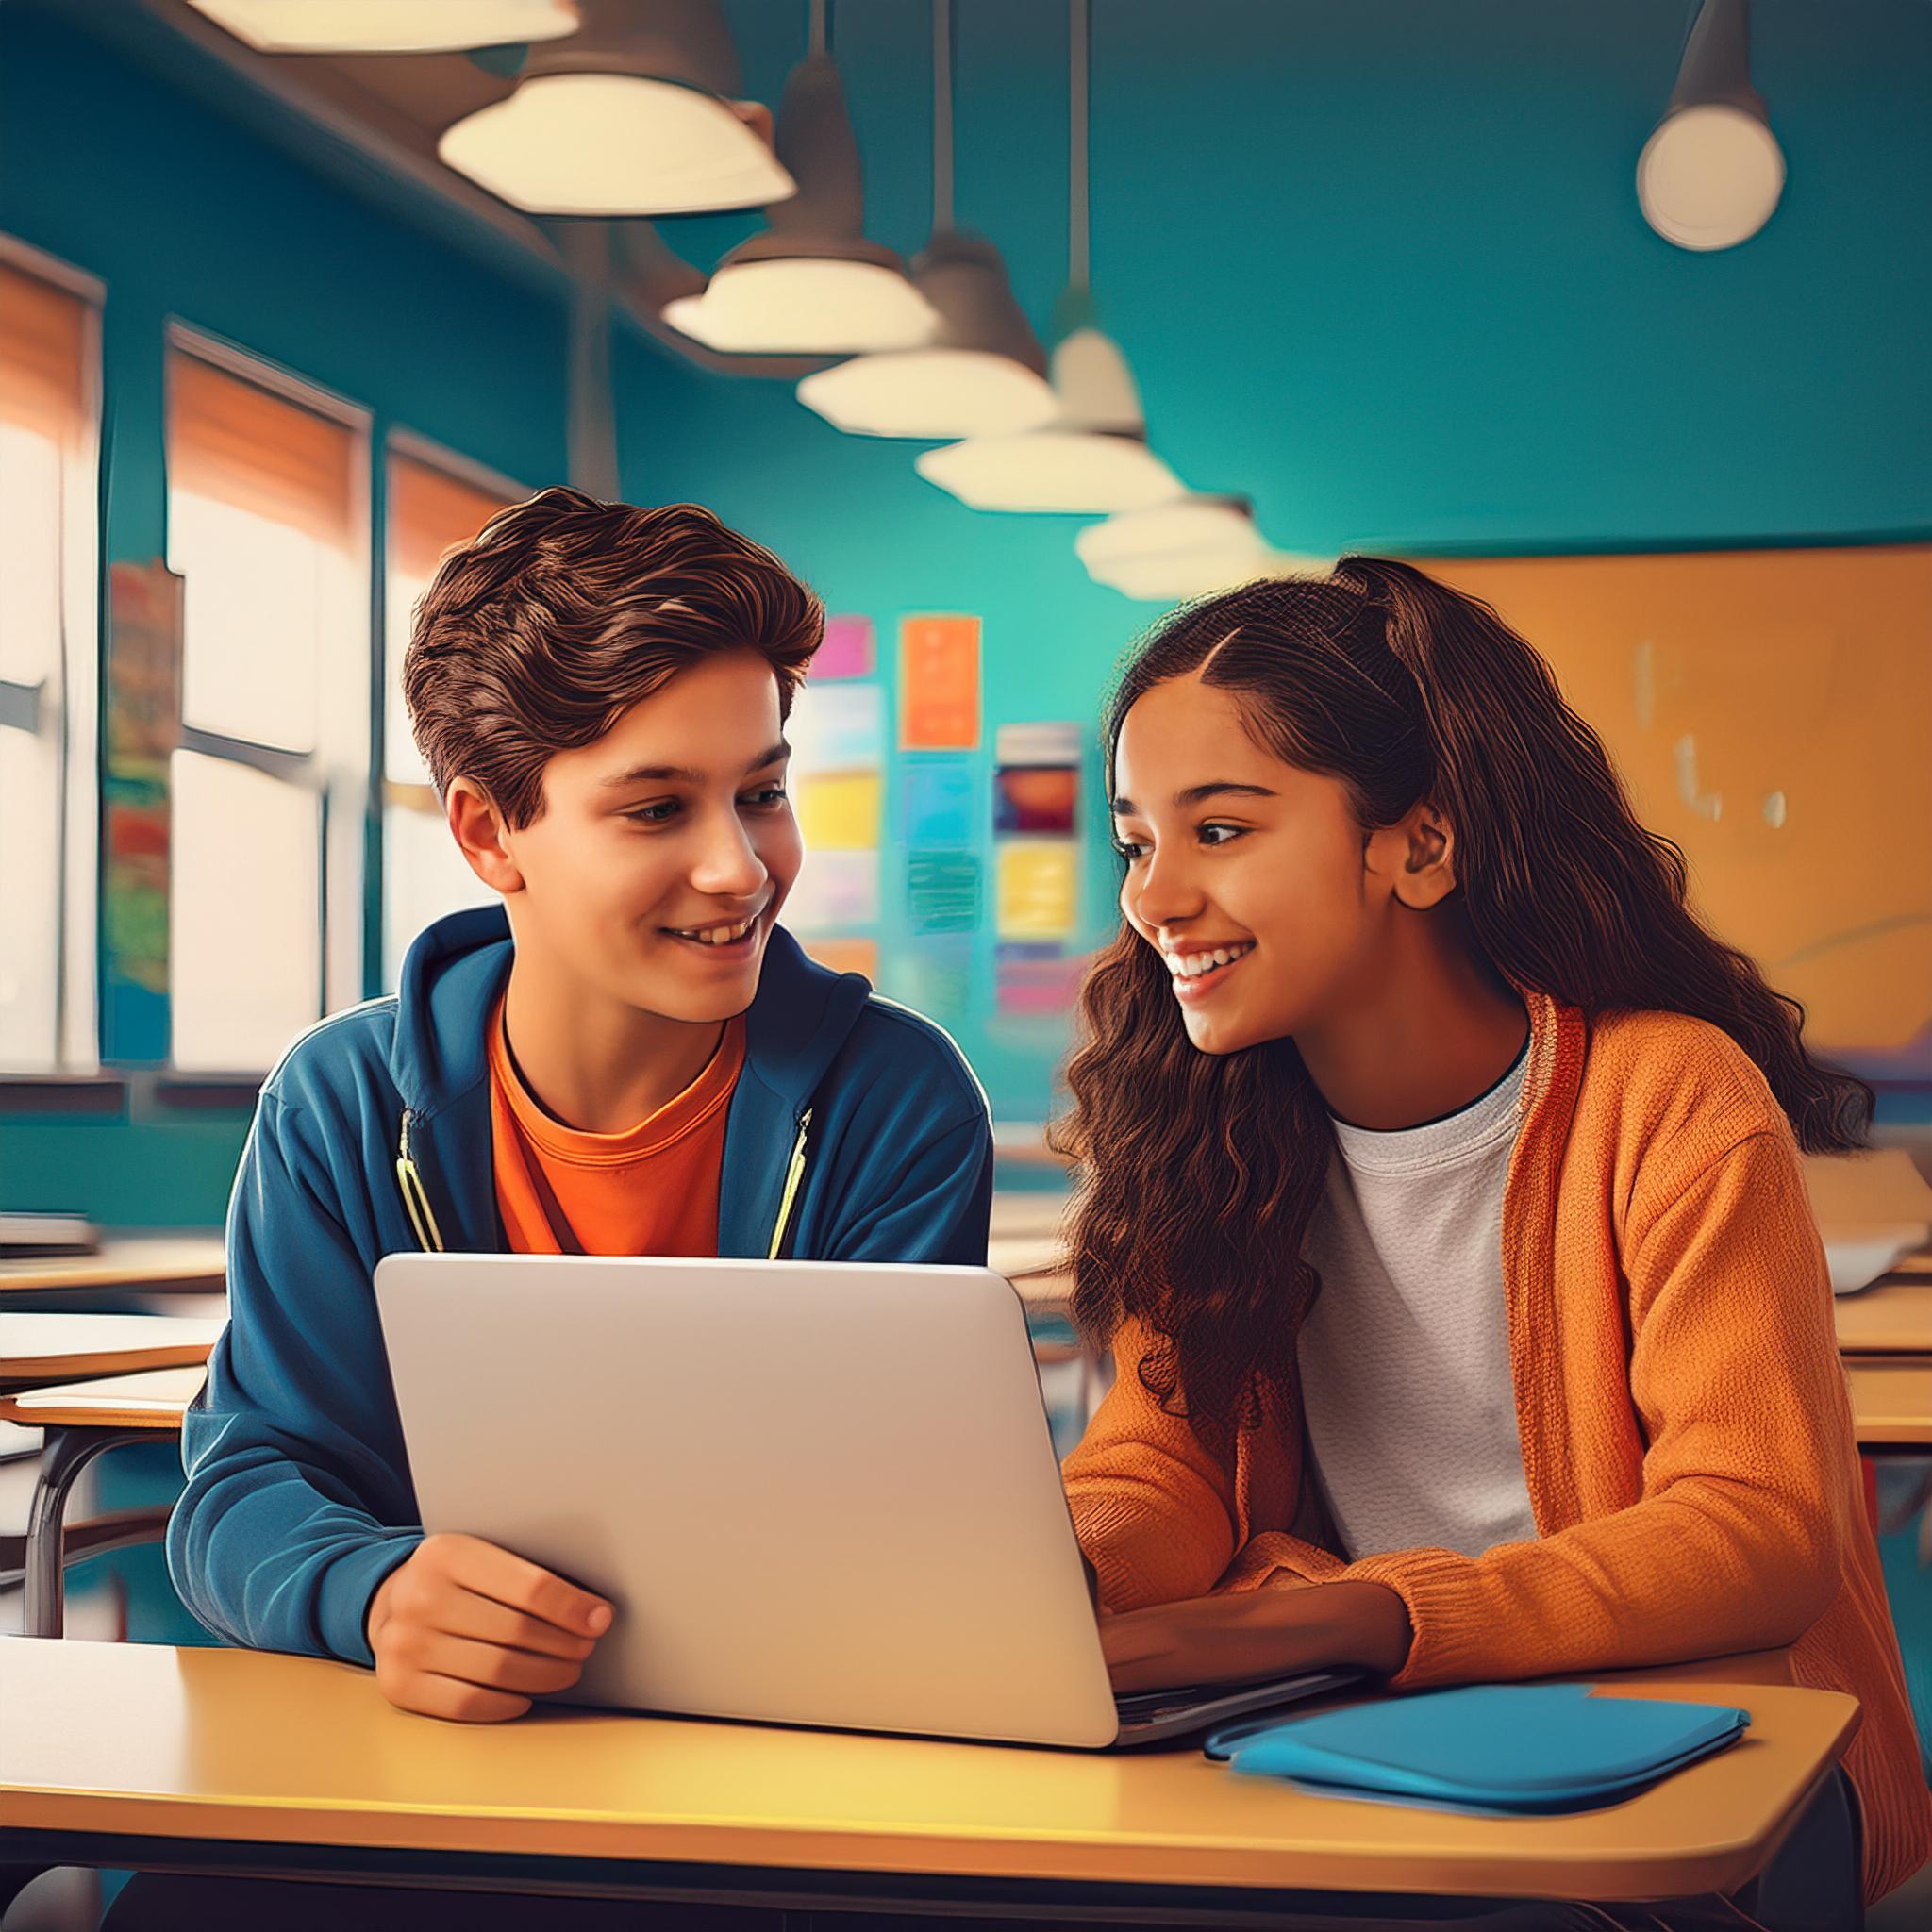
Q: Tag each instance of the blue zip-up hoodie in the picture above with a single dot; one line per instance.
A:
(857, 1132)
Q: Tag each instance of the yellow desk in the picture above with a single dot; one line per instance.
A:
(1891, 1317)
(132, 1753)
(147, 1263)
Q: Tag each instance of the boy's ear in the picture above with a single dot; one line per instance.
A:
(478, 830)
(1428, 873)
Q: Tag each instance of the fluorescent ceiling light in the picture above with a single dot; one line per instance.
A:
(389, 26)
(1710, 174)
(805, 306)
(1051, 470)
(614, 144)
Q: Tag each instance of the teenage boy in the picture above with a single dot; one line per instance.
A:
(629, 1057)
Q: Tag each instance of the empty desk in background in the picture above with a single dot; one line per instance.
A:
(242, 1761)
(1891, 1317)
(148, 1264)
(40, 1350)
(1891, 1403)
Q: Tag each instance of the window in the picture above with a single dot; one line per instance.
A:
(435, 503)
(49, 354)
(267, 508)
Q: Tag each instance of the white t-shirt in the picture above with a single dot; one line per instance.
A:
(1405, 1357)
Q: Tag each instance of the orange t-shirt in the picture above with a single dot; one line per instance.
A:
(652, 1189)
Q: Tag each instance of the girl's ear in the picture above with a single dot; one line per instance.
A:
(1428, 873)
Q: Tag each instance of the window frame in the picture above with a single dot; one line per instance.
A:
(74, 717)
(336, 775)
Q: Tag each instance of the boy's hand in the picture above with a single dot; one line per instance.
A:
(467, 1631)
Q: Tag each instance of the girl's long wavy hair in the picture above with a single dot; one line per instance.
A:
(1197, 1172)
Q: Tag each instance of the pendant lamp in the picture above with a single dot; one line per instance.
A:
(1711, 175)
(1092, 459)
(984, 373)
(632, 116)
(389, 26)
(1187, 548)
(810, 283)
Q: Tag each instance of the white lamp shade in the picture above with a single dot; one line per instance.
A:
(1095, 387)
(1051, 470)
(614, 144)
(1711, 175)
(1180, 549)
(389, 26)
(803, 305)
(939, 394)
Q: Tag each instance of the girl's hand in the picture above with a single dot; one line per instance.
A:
(1257, 1633)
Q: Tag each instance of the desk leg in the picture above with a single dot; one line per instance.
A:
(66, 1454)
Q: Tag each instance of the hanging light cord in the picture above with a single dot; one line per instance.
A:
(1077, 50)
(818, 29)
(941, 114)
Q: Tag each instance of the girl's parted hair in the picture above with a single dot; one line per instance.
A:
(563, 612)
(1198, 1173)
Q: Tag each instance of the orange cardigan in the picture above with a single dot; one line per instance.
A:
(1685, 1429)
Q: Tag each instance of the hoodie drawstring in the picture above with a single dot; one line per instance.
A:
(416, 1197)
(794, 1173)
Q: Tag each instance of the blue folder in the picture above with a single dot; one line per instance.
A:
(1490, 1747)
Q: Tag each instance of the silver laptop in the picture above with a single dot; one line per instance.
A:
(817, 1493)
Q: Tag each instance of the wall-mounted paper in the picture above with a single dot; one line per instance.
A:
(935, 975)
(1036, 744)
(839, 811)
(1037, 978)
(834, 891)
(1039, 889)
(1034, 798)
(938, 683)
(845, 956)
(942, 891)
(837, 727)
(847, 651)
(939, 804)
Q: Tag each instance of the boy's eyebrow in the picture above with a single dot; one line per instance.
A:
(683, 775)
(1196, 795)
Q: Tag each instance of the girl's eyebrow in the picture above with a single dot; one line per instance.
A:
(1196, 795)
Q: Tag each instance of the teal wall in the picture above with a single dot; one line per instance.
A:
(185, 214)
(1378, 266)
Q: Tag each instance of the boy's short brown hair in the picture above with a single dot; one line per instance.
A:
(563, 612)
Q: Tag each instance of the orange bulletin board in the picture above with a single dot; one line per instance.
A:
(1770, 710)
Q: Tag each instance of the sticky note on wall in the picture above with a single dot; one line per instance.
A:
(834, 892)
(1039, 889)
(938, 683)
(847, 651)
(839, 811)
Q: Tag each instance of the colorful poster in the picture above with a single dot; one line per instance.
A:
(938, 683)
(144, 718)
(834, 891)
(942, 891)
(1036, 779)
(935, 976)
(838, 727)
(845, 956)
(847, 651)
(1039, 889)
(1035, 978)
(839, 811)
(939, 804)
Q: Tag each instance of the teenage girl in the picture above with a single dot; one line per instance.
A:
(1440, 1198)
